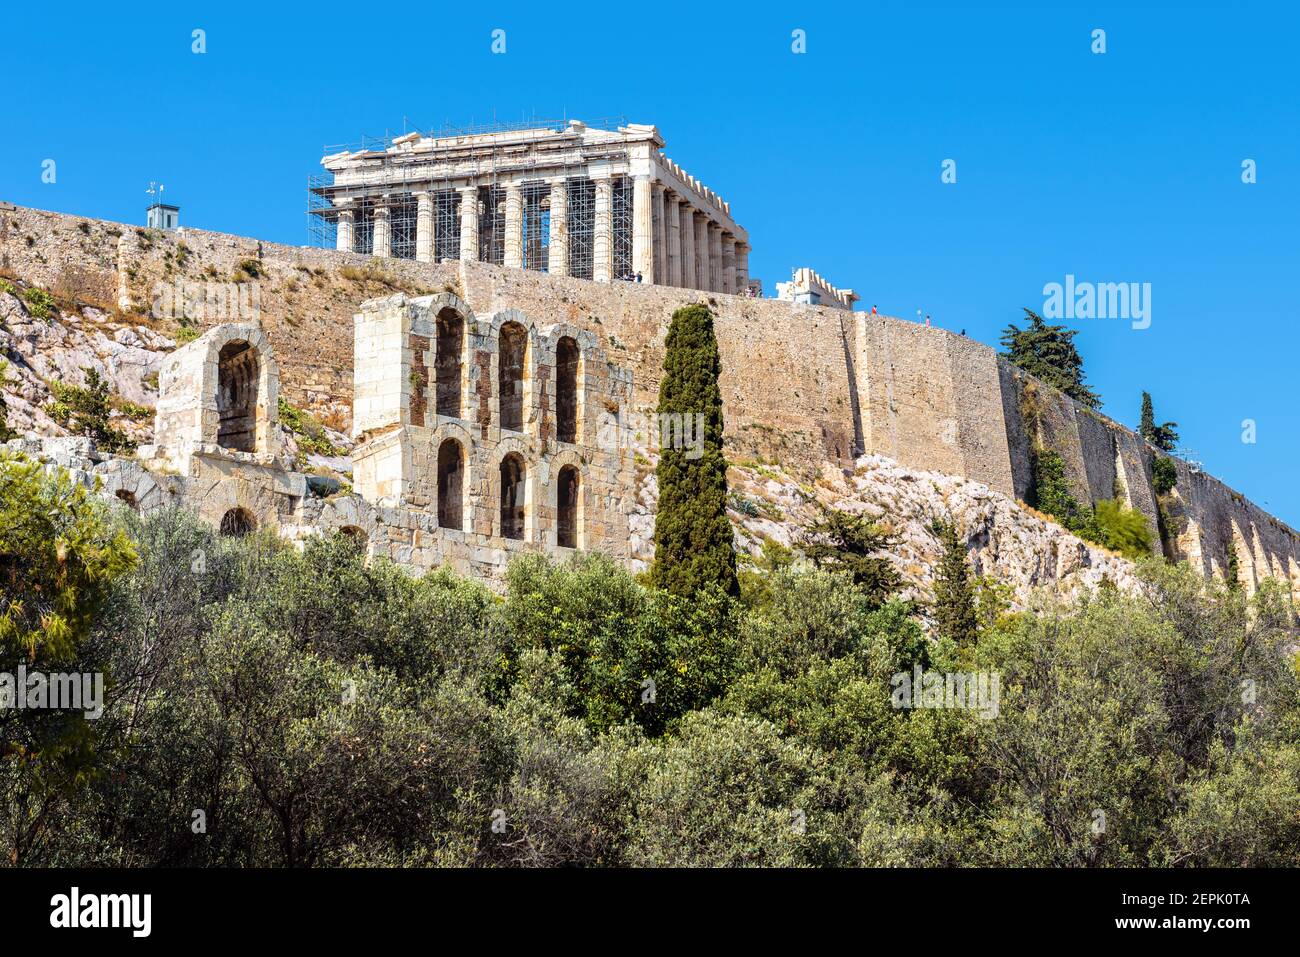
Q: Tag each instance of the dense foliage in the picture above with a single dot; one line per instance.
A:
(275, 706)
(1048, 352)
(693, 548)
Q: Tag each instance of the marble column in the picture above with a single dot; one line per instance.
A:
(742, 268)
(558, 250)
(643, 250)
(715, 257)
(514, 251)
(703, 269)
(468, 223)
(602, 245)
(729, 263)
(673, 246)
(689, 268)
(424, 227)
(382, 237)
(345, 238)
(660, 235)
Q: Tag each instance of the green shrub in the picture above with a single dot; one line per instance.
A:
(1164, 475)
(1121, 529)
(86, 410)
(39, 303)
(1050, 492)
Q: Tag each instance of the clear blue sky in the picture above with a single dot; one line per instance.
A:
(1122, 167)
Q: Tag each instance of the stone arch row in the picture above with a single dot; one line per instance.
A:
(531, 364)
(510, 478)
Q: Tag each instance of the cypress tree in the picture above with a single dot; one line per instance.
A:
(954, 594)
(1147, 427)
(1163, 436)
(693, 538)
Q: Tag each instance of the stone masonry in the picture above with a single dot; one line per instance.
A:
(805, 385)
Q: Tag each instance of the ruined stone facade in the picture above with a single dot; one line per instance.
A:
(477, 439)
(567, 200)
(507, 435)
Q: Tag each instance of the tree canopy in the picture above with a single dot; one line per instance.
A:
(1048, 352)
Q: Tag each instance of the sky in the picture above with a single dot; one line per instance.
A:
(1122, 166)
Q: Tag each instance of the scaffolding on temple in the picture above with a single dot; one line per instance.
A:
(581, 222)
(400, 183)
(621, 227)
(537, 226)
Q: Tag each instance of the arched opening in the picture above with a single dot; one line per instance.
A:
(238, 522)
(512, 361)
(355, 535)
(451, 481)
(447, 363)
(237, 374)
(566, 389)
(567, 507)
(513, 476)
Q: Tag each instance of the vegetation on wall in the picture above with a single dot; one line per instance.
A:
(1164, 475)
(693, 537)
(1048, 352)
(1109, 522)
(322, 710)
(1163, 436)
(308, 432)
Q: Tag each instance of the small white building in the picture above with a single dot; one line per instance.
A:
(163, 216)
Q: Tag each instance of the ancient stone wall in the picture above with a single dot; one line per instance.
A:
(803, 385)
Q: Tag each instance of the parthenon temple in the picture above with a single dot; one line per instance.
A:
(566, 199)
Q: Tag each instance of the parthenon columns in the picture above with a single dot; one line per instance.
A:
(643, 254)
(742, 268)
(689, 267)
(728, 263)
(674, 246)
(557, 263)
(344, 240)
(702, 274)
(660, 235)
(514, 251)
(715, 258)
(382, 236)
(468, 223)
(424, 227)
(602, 245)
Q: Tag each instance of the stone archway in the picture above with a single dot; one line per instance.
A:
(238, 373)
